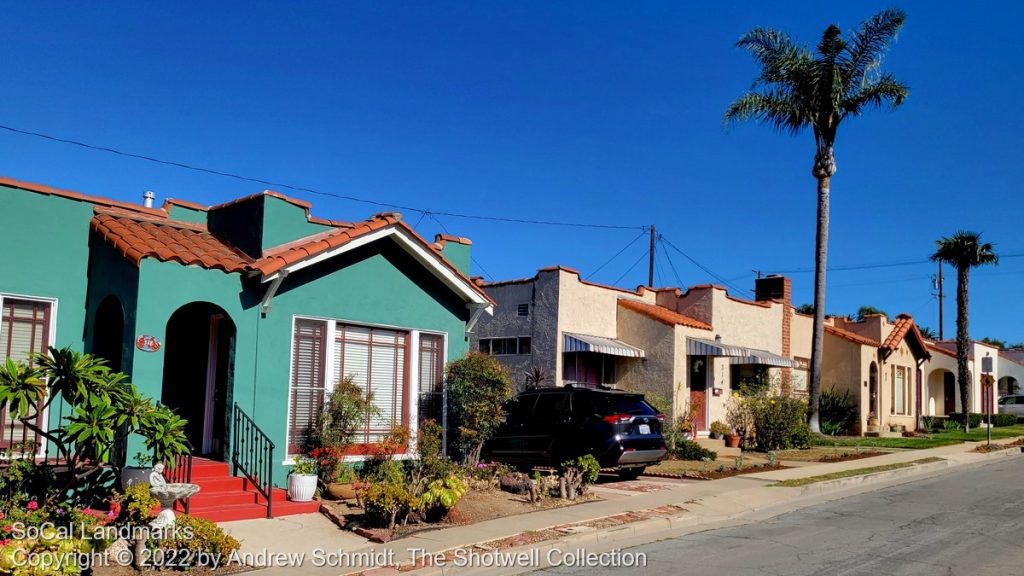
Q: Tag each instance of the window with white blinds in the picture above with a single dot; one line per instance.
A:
(376, 360)
(431, 373)
(309, 345)
(24, 331)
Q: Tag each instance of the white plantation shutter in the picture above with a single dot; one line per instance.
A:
(24, 330)
(307, 387)
(375, 359)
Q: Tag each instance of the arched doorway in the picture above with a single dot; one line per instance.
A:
(1008, 385)
(108, 332)
(199, 351)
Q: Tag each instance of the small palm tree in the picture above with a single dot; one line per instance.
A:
(963, 250)
(799, 89)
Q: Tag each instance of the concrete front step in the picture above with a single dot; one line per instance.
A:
(718, 446)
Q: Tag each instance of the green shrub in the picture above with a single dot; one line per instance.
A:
(690, 450)
(838, 411)
(444, 493)
(719, 428)
(387, 502)
(204, 540)
(1004, 419)
(478, 388)
(779, 422)
(950, 425)
(974, 418)
(928, 423)
(577, 475)
(136, 504)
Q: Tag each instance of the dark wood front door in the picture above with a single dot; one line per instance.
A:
(949, 392)
(699, 391)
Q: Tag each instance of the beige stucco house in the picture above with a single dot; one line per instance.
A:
(691, 347)
(880, 363)
(943, 396)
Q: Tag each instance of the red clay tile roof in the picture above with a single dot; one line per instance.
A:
(903, 327)
(440, 240)
(72, 195)
(662, 314)
(280, 256)
(138, 236)
(851, 336)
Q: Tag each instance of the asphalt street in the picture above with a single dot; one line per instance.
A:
(969, 522)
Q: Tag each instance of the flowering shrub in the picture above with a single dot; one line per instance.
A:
(199, 535)
(779, 422)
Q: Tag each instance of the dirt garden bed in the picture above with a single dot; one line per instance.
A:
(476, 506)
(828, 454)
(713, 470)
(986, 448)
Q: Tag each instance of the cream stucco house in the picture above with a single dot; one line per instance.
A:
(691, 347)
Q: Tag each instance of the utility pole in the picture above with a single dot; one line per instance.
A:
(940, 300)
(650, 262)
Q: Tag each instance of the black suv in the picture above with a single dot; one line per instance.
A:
(548, 426)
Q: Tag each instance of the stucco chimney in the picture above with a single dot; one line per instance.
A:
(147, 198)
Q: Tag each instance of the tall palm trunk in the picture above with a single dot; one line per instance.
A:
(818, 339)
(824, 169)
(962, 343)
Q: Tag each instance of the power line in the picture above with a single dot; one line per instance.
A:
(880, 265)
(704, 268)
(487, 275)
(616, 255)
(679, 281)
(298, 188)
(626, 273)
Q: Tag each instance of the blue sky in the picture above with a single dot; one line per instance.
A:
(606, 113)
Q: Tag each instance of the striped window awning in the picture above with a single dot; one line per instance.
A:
(701, 347)
(601, 345)
(736, 354)
(764, 358)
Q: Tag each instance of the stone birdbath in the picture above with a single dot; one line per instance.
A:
(167, 493)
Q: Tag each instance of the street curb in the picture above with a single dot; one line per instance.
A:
(692, 520)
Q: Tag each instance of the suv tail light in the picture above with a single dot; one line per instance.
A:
(660, 417)
(618, 418)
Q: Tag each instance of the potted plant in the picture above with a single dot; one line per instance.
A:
(732, 439)
(302, 480)
(138, 473)
(343, 486)
(719, 429)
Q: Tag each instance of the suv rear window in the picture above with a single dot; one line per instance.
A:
(605, 404)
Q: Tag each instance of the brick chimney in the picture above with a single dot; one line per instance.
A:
(780, 289)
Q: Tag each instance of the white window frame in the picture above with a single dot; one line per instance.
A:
(412, 386)
(52, 332)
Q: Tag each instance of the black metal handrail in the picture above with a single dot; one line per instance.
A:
(252, 454)
(181, 471)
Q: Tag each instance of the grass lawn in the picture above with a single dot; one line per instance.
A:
(797, 482)
(684, 466)
(937, 439)
(820, 453)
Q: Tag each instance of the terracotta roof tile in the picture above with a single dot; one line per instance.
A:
(292, 252)
(851, 336)
(138, 236)
(902, 328)
(662, 314)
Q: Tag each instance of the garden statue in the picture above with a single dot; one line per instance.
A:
(167, 494)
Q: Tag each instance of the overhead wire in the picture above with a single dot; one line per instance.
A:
(299, 188)
(617, 254)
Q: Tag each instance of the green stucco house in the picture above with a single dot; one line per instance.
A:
(241, 313)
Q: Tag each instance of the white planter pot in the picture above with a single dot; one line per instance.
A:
(301, 487)
(134, 475)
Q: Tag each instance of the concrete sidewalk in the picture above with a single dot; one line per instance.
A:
(703, 501)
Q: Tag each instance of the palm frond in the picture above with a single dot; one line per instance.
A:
(885, 91)
(964, 249)
(870, 41)
(776, 52)
(774, 107)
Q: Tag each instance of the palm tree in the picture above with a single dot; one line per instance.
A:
(963, 250)
(798, 88)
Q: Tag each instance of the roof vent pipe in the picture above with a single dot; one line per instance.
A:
(147, 198)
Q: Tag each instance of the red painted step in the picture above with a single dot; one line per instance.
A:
(223, 497)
